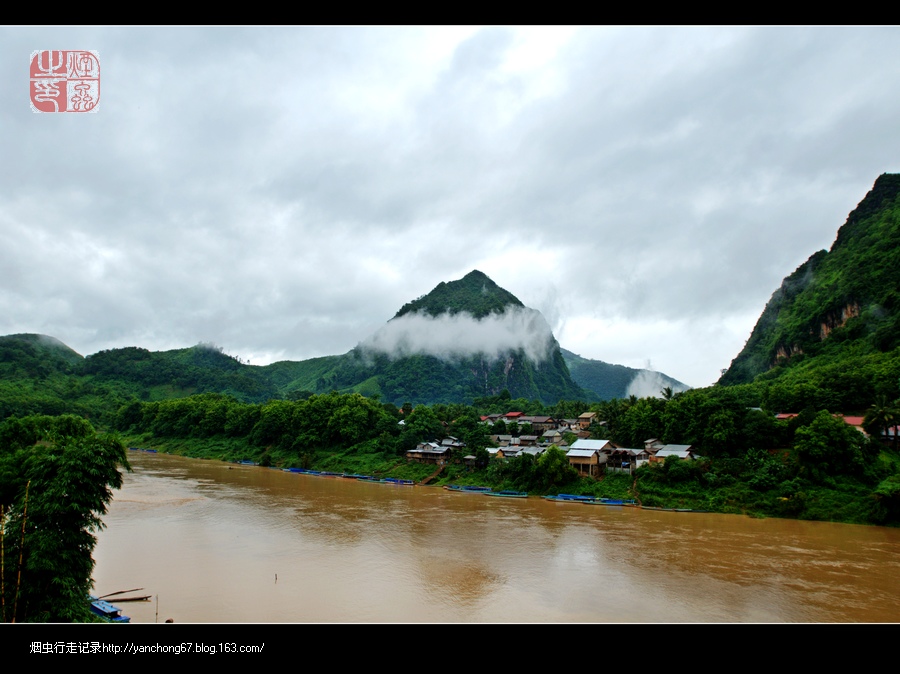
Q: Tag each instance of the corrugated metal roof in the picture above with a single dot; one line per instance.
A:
(583, 443)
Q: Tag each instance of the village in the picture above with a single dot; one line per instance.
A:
(590, 457)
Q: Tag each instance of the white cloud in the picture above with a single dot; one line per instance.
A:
(450, 336)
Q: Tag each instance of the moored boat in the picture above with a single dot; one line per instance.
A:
(467, 488)
(507, 493)
(611, 502)
(106, 610)
(571, 498)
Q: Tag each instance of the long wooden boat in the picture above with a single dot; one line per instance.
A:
(467, 488)
(507, 493)
(570, 498)
(612, 502)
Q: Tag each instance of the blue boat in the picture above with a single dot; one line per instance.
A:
(507, 493)
(106, 610)
(467, 489)
(611, 502)
(571, 498)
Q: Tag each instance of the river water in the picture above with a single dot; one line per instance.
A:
(224, 543)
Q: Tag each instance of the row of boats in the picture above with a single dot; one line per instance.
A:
(507, 493)
(352, 476)
(566, 498)
(488, 491)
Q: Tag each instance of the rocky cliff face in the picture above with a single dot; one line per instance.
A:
(847, 295)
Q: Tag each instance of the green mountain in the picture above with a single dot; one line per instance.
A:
(35, 356)
(465, 339)
(204, 368)
(834, 324)
(399, 375)
(608, 381)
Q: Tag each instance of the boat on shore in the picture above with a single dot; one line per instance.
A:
(107, 611)
(507, 493)
(467, 488)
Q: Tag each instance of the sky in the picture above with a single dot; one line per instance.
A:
(282, 192)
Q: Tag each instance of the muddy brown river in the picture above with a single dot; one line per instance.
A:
(224, 543)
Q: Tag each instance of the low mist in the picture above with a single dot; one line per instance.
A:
(650, 384)
(461, 335)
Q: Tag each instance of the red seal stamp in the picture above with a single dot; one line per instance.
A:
(64, 81)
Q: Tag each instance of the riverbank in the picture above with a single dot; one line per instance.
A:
(751, 488)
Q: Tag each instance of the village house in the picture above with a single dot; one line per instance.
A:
(626, 460)
(552, 437)
(681, 451)
(429, 452)
(589, 457)
(653, 445)
(585, 420)
(535, 451)
(541, 424)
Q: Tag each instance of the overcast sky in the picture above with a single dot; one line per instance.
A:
(282, 192)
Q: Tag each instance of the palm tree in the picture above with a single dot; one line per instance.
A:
(883, 415)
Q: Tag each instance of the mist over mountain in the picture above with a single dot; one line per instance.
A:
(465, 339)
(451, 336)
(608, 381)
(470, 338)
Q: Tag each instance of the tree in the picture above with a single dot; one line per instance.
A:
(829, 446)
(882, 416)
(554, 469)
(56, 480)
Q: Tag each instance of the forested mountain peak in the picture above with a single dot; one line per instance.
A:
(838, 304)
(882, 196)
(45, 343)
(475, 293)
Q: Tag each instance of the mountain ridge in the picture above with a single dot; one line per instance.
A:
(840, 304)
(524, 358)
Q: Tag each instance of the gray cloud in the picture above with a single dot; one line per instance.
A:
(282, 191)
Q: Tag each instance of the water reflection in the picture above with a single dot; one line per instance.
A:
(222, 543)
